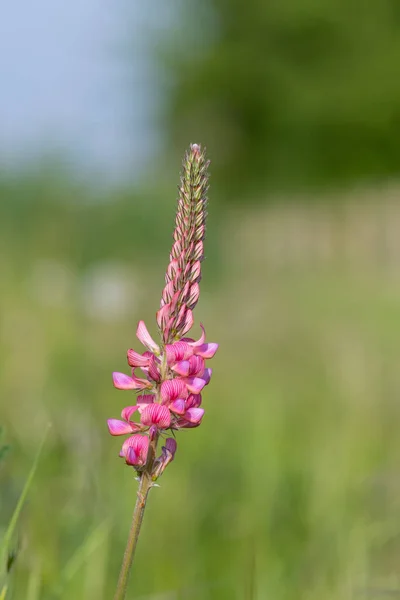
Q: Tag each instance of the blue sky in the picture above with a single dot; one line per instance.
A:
(65, 69)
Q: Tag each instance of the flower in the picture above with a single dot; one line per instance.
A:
(135, 450)
(174, 370)
(125, 382)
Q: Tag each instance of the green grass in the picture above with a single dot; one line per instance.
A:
(290, 489)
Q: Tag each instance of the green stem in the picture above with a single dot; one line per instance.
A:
(146, 483)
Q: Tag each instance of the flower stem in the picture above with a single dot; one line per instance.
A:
(146, 483)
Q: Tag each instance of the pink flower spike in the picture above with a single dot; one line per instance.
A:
(178, 406)
(206, 350)
(144, 401)
(116, 427)
(128, 411)
(171, 389)
(207, 375)
(194, 415)
(156, 414)
(194, 384)
(137, 360)
(124, 382)
(145, 338)
(182, 368)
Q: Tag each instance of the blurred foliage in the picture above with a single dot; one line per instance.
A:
(286, 94)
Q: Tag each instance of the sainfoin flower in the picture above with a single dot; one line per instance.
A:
(170, 374)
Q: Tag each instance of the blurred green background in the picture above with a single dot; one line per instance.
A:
(290, 489)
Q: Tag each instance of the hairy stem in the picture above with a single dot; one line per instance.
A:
(145, 485)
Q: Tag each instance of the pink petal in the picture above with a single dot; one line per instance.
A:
(177, 352)
(196, 366)
(194, 384)
(137, 360)
(145, 338)
(178, 406)
(124, 382)
(140, 445)
(206, 350)
(207, 375)
(167, 456)
(182, 368)
(145, 369)
(152, 432)
(131, 457)
(144, 400)
(156, 414)
(142, 384)
(201, 340)
(128, 411)
(170, 445)
(116, 427)
(154, 372)
(172, 389)
(194, 415)
(193, 401)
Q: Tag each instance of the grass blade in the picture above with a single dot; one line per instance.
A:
(14, 519)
